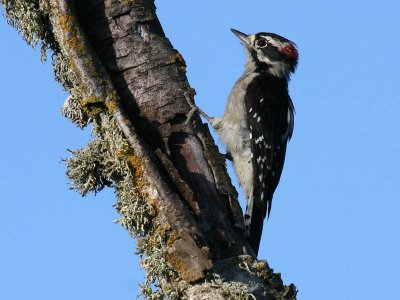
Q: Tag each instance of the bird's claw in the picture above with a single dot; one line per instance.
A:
(196, 109)
(193, 108)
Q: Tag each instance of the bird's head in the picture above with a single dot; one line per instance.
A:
(270, 52)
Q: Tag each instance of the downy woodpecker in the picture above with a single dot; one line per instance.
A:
(258, 122)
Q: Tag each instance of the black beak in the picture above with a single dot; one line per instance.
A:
(243, 37)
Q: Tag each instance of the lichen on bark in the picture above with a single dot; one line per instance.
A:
(29, 19)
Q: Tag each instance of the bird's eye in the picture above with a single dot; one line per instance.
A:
(261, 43)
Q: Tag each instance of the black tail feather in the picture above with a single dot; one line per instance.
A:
(254, 221)
(255, 228)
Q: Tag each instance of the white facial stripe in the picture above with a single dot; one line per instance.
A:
(264, 59)
(269, 39)
(273, 42)
(276, 68)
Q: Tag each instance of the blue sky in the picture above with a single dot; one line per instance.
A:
(334, 226)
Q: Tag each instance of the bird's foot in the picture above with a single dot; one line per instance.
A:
(195, 109)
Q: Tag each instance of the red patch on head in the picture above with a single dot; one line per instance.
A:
(291, 51)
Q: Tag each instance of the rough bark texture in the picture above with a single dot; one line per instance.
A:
(149, 76)
(171, 181)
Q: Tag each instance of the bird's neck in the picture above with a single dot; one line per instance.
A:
(278, 69)
(263, 73)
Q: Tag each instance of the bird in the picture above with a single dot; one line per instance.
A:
(258, 122)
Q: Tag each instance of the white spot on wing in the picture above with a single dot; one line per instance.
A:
(260, 139)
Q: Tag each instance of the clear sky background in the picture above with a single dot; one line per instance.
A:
(334, 226)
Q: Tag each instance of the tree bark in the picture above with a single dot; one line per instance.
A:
(149, 75)
(123, 71)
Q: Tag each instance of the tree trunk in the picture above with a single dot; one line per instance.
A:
(173, 190)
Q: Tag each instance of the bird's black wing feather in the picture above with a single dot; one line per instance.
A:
(267, 104)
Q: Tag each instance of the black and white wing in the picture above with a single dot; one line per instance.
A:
(270, 120)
